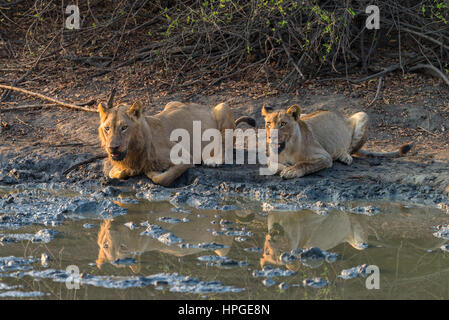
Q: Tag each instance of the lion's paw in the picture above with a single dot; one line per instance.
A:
(116, 174)
(291, 172)
(346, 159)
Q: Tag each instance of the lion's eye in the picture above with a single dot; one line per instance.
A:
(124, 128)
(106, 129)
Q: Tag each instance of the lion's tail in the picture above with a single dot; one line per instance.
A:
(250, 121)
(395, 154)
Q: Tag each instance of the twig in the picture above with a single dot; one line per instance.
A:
(429, 132)
(426, 37)
(291, 60)
(74, 144)
(391, 68)
(79, 164)
(379, 86)
(41, 96)
(378, 74)
(88, 103)
(23, 122)
(111, 98)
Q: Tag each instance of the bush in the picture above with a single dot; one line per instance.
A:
(216, 39)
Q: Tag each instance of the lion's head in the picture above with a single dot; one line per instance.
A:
(110, 243)
(284, 121)
(120, 129)
(273, 248)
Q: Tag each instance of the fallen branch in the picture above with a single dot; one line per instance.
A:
(376, 75)
(41, 96)
(79, 164)
(432, 68)
(28, 107)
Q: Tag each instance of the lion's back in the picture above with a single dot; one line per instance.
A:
(178, 115)
(332, 131)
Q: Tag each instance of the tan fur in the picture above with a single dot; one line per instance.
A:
(314, 141)
(288, 231)
(146, 139)
(116, 241)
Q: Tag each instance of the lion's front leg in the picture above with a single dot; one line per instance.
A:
(304, 168)
(166, 178)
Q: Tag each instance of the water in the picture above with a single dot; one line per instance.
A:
(210, 254)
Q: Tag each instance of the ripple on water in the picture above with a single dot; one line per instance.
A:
(174, 281)
(42, 236)
(160, 234)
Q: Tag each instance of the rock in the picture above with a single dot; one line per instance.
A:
(45, 258)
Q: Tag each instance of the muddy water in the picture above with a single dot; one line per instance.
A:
(159, 251)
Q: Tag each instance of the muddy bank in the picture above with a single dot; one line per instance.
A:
(204, 187)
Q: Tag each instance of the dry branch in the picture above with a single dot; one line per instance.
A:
(28, 107)
(43, 97)
(433, 69)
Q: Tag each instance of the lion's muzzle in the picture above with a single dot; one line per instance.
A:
(116, 154)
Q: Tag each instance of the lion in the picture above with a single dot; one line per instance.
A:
(312, 142)
(288, 231)
(138, 144)
(118, 242)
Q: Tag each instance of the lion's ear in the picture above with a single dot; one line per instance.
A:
(136, 109)
(294, 111)
(103, 111)
(266, 110)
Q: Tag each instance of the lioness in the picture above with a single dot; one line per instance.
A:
(310, 143)
(288, 231)
(138, 144)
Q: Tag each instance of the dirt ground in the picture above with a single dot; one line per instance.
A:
(37, 145)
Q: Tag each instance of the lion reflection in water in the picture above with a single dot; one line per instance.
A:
(116, 241)
(291, 230)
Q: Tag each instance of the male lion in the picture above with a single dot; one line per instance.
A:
(138, 144)
(310, 143)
